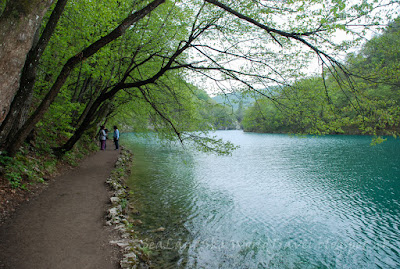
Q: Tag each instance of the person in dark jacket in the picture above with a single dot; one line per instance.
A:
(103, 138)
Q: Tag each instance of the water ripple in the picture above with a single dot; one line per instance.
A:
(277, 202)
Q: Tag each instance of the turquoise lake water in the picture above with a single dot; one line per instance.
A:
(277, 202)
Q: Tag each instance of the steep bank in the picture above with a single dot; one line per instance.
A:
(64, 226)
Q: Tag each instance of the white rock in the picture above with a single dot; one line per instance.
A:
(120, 227)
(125, 235)
(113, 212)
(123, 244)
(120, 243)
(115, 200)
(130, 255)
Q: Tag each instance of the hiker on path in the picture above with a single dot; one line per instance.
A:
(116, 137)
(103, 138)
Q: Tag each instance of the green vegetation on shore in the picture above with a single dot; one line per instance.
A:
(369, 103)
(29, 167)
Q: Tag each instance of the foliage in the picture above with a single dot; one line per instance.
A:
(29, 167)
(367, 104)
(20, 170)
(2, 6)
(209, 144)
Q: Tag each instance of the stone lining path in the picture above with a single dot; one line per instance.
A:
(64, 227)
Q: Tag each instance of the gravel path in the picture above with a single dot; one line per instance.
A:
(64, 226)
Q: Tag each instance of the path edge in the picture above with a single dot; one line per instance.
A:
(133, 251)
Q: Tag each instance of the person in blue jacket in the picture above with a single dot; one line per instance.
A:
(116, 137)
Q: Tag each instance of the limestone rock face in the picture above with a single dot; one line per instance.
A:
(18, 25)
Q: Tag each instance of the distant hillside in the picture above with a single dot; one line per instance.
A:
(233, 100)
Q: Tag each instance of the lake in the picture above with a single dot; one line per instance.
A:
(276, 202)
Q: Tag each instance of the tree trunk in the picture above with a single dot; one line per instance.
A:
(18, 25)
(89, 104)
(88, 119)
(21, 104)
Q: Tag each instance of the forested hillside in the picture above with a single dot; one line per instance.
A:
(368, 103)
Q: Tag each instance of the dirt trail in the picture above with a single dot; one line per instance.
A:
(64, 226)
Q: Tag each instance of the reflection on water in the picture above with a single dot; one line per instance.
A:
(277, 202)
